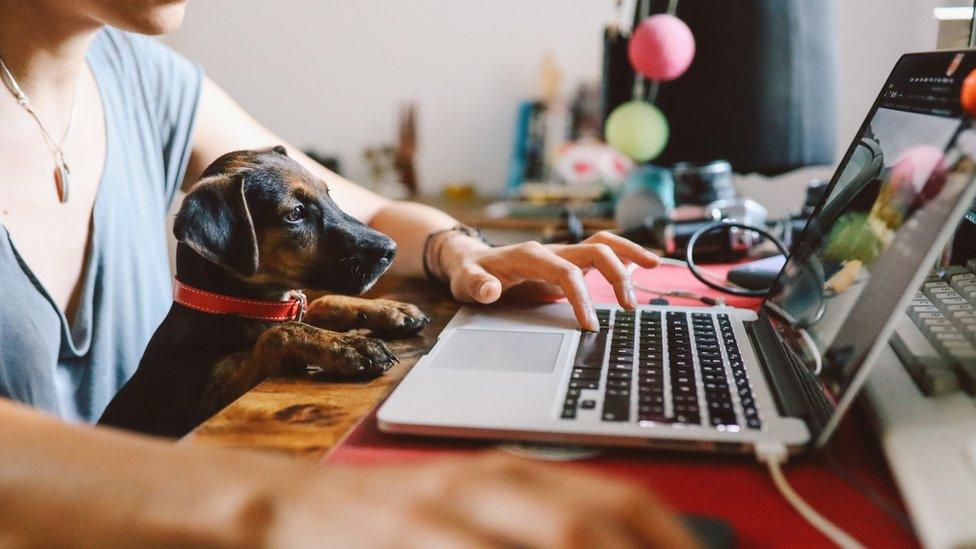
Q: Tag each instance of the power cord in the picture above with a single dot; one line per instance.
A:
(699, 273)
(774, 455)
(712, 301)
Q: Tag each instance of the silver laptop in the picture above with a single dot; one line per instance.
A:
(722, 378)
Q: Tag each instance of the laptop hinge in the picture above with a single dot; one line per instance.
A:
(786, 388)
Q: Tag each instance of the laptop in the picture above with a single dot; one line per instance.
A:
(722, 378)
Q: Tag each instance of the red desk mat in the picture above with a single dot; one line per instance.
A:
(736, 489)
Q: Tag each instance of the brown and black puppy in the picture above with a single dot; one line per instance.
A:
(257, 225)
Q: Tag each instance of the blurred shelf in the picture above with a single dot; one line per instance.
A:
(506, 229)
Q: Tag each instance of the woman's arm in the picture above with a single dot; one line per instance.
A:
(65, 485)
(68, 486)
(475, 272)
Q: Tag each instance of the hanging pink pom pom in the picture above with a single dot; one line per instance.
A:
(661, 47)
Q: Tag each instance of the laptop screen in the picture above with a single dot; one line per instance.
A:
(889, 203)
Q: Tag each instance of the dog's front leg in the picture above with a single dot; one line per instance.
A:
(294, 347)
(385, 318)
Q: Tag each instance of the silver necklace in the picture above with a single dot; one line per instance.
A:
(62, 175)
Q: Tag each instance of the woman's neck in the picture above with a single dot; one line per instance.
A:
(44, 48)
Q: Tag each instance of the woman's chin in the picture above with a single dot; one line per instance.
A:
(151, 17)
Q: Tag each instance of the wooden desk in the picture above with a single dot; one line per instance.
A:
(305, 418)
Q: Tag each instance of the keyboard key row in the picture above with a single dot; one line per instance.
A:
(684, 387)
(742, 385)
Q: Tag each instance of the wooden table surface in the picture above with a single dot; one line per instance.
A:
(303, 417)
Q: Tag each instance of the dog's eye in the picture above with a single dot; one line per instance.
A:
(296, 214)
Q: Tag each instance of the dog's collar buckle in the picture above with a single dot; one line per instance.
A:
(302, 304)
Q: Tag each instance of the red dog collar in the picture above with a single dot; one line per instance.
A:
(218, 304)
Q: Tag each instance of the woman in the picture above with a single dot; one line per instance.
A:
(98, 130)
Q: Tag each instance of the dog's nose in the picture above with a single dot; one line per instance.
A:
(384, 254)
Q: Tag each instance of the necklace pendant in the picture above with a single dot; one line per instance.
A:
(62, 181)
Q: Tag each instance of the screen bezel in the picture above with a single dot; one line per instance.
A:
(820, 435)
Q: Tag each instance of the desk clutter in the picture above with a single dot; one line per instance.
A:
(609, 151)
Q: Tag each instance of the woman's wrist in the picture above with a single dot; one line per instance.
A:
(455, 249)
(444, 251)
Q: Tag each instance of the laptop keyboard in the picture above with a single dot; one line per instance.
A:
(662, 368)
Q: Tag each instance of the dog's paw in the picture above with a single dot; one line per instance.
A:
(384, 318)
(392, 319)
(356, 357)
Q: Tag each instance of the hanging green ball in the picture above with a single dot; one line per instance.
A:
(637, 129)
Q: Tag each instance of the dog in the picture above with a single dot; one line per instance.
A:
(254, 228)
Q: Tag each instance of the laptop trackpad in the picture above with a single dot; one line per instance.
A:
(500, 351)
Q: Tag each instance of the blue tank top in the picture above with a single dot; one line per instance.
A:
(150, 96)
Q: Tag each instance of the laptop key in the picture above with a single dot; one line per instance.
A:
(723, 420)
(586, 373)
(616, 409)
(618, 383)
(591, 348)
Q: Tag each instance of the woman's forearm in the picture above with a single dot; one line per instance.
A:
(74, 486)
(63, 485)
(409, 223)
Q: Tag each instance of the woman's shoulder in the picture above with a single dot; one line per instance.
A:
(150, 94)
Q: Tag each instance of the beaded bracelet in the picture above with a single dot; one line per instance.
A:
(432, 254)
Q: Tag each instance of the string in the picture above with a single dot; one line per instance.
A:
(639, 83)
(57, 148)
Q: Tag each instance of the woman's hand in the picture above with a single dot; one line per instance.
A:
(481, 274)
(489, 501)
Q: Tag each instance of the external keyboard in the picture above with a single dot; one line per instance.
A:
(938, 345)
(655, 367)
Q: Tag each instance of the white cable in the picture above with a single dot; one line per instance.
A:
(817, 357)
(773, 456)
(671, 262)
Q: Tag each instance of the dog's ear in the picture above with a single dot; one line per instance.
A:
(215, 222)
(280, 149)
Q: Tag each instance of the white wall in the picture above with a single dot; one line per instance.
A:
(330, 73)
(872, 36)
